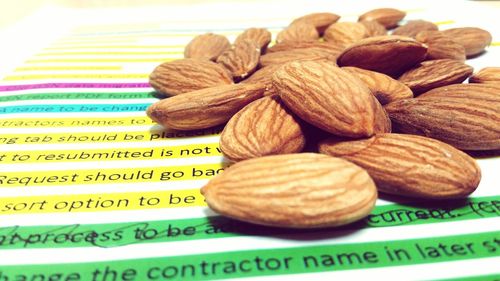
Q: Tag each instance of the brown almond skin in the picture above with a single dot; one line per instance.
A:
(435, 73)
(327, 97)
(187, 75)
(487, 75)
(242, 60)
(466, 116)
(413, 27)
(264, 76)
(373, 28)
(388, 17)
(345, 33)
(320, 21)
(298, 32)
(382, 121)
(307, 54)
(383, 87)
(409, 165)
(204, 108)
(264, 127)
(333, 48)
(260, 36)
(441, 46)
(207, 46)
(303, 190)
(486, 92)
(391, 55)
(474, 39)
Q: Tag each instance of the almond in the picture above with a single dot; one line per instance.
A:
(298, 32)
(410, 165)
(308, 54)
(204, 108)
(264, 127)
(465, 92)
(264, 76)
(382, 122)
(373, 28)
(383, 87)
(207, 46)
(187, 75)
(260, 36)
(466, 116)
(327, 97)
(390, 55)
(474, 39)
(441, 46)
(486, 75)
(413, 27)
(304, 190)
(320, 21)
(241, 60)
(387, 17)
(333, 48)
(345, 33)
(435, 73)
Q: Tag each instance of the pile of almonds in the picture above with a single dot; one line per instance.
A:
(340, 89)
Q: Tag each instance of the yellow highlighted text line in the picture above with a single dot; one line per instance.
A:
(76, 76)
(77, 203)
(92, 60)
(117, 47)
(93, 137)
(444, 22)
(73, 67)
(131, 153)
(75, 122)
(109, 53)
(109, 176)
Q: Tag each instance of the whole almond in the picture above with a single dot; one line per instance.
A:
(327, 97)
(260, 36)
(204, 108)
(413, 27)
(441, 46)
(345, 33)
(466, 116)
(486, 75)
(410, 165)
(207, 46)
(307, 54)
(264, 76)
(187, 75)
(383, 87)
(264, 127)
(241, 60)
(388, 17)
(320, 21)
(303, 190)
(373, 28)
(333, 48)
(390, 55)
(298, 32)
(474, 39)
(435, 73)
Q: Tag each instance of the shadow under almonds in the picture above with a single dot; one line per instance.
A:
(157, 95)
(484, 153)
(426, 204)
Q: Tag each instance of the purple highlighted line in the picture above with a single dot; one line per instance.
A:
(7, 88)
